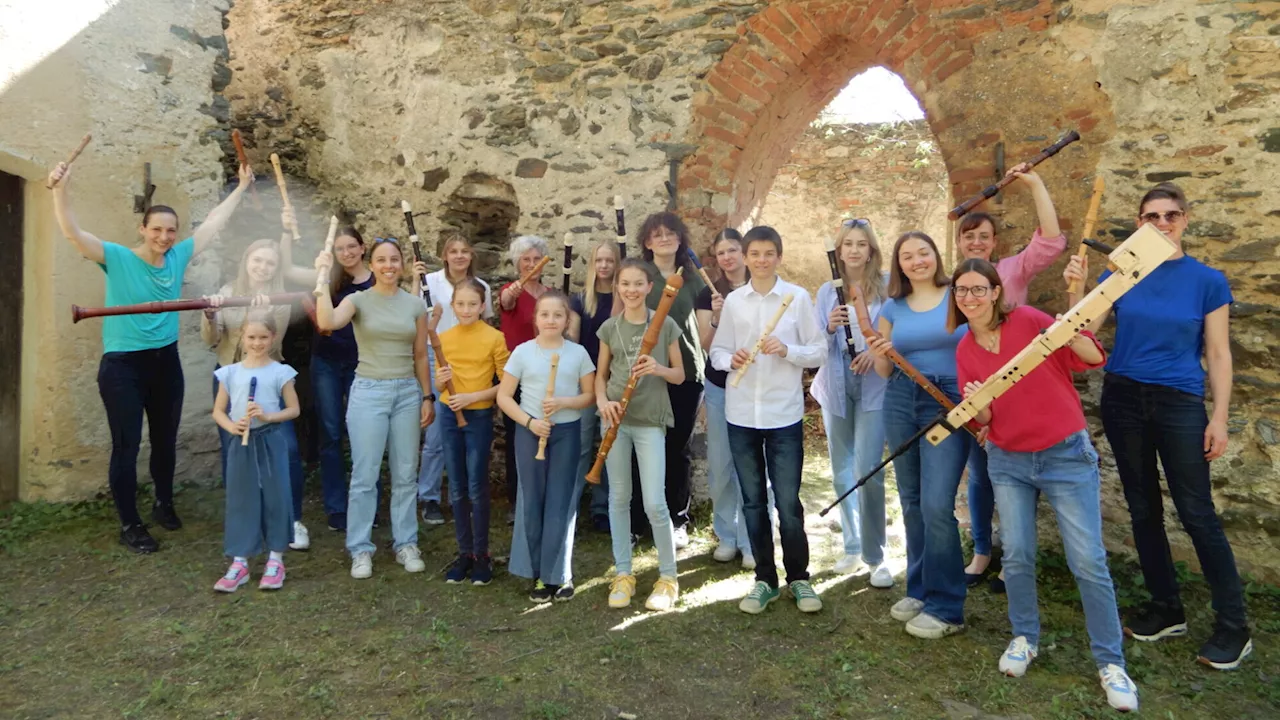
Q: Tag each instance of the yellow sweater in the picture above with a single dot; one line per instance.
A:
(476, 353)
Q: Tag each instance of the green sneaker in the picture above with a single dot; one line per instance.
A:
(759, 598)
(806, 599)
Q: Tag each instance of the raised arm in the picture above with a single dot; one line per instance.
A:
(295, 274)
(89, 247)
(1078, 271)
(218, 217)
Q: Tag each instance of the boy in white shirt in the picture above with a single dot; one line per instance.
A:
(765, 412)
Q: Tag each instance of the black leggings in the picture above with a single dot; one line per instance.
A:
(133, 383)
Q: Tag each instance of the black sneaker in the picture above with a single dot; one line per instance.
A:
(431, 514)
(600, 523)
(542, 593)
(1155, 621)
(137, 539)
(164, 515)
(459, 569)
(564, 594)
(1225, 649)
(482, 570)
(338, 522)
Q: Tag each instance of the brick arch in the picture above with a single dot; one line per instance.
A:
(792, 59)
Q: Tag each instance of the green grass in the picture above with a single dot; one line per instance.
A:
(89, 630)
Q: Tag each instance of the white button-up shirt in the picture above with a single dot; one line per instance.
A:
(771, 394)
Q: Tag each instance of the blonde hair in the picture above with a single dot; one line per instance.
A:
(242, 285)
(457, 238)
(589, 297)
(871, 282)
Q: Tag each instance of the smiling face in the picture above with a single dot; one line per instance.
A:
(467, 304)
(1168, 217)
(663, 242)
(160, 232)
(528, 261)
(917, 260)
(634, 286)
(387, 264)
(458, 255)
(605, 263)
(256, 339)
(551, 317)
(978, 242)
(261, 265)
(728, 254)
(855, 250)
(762, 258)
(348, 251)
(976, 298)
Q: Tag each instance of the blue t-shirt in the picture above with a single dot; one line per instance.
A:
(922, 338)
(1160, 324)
(340, 345)
(271, 381)
(532, 365)
(132, 280)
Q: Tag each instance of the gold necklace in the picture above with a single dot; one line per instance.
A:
(992, 341)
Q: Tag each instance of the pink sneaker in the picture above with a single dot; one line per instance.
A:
(237, 575)
(272, 576)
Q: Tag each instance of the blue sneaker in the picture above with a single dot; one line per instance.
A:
(459, 569)
(482, 570)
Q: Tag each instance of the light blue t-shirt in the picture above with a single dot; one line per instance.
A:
(532, 365)
(922, 338)
(271, 381)
(131, 280)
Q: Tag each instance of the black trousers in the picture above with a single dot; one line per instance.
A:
(131, 384)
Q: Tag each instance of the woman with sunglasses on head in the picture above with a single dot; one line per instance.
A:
(976, 238)
(1153, 406)
(851, 396)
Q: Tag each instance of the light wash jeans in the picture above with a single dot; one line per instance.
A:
(650, 449)
(1067, 475)
(856, 444)
(382, 415)
(431, 467)
(722, 478)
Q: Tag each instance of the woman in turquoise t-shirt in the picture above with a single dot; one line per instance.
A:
(140, 371)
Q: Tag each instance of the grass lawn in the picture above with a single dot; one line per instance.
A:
(90, 630)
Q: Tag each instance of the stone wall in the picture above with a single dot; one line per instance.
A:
(140, 76)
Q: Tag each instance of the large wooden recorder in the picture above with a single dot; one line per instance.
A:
(990, 191)
(647, 343)
(438, 349)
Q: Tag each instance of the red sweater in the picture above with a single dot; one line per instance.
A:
(1043, 408)
(516, 324)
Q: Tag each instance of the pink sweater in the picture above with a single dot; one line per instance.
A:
(1017, 272)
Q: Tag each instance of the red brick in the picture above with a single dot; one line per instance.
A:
(905, 16)
(784, 45)
(736, 111)
(805, 25)
(944, 124)
(1078, 113)
(709, 112)
(758, 61)
(888, 52)
(869, 14)
(888, 10)
(1038, 25)
(933, 44)
(779, 20)
(954, 66)
(745, 86)
(1087, 124)
(974, 28)
(984, 140)
(938, 57)
(968, 174)
(723, 85)
(910, 47)
(1200, 151)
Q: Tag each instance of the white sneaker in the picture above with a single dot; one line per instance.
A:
(928, 627)
(301, 538)
(1122, 694)
(725, 552)
(906, 609)
(411, 558)
(1017, 657)
(682, 538)
(362, 565)
(882, 577)
(748, 562)
(848, 565)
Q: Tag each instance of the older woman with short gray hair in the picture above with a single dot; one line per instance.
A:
(516, 303)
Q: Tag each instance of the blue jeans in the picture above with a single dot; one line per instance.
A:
(433, 462)
(546, 488)
(856, 444)
(982, 502)
(383, 415)
(1142, 421)
(928, 476)
(257, 501)
(780, 453)
(590, 424)
(722, 479)
(1067, 475)
(466, 458)
(290, 439)
(650, 445)
(330, 383)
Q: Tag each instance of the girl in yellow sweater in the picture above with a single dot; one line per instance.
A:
(476, 354)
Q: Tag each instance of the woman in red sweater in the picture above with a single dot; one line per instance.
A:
(1039, 445)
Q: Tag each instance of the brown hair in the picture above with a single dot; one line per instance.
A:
(633, 263)
(552, 294)
(672, 222)
(1000, 312)
(973, 221)
(899, 284)
(456, 238)
(722, 283)
(338, 277)
(472, 284)
(1165, 191)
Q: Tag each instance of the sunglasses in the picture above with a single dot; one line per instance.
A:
(1170, 217)
(378, 241)
(856, 222)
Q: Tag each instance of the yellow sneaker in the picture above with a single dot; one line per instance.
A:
(621, 590)
(664, 595)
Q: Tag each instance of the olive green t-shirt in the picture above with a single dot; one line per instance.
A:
(685, 317)
(650, 405)
(386, 327)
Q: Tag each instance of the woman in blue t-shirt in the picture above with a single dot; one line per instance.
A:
(914, 321)
(1153, 405)
(140, 371)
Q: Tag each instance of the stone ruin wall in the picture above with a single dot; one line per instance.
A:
(507, 117)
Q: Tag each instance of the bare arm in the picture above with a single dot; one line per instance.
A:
(883, 365)
(89, 246)
(674, 375)
(330, 318)
(507, 399)
(1078, 270)
(220, 413)
(1217, 347)
(575, 326)
(218, 217)
(296, 274)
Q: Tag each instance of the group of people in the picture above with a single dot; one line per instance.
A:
(420, 388)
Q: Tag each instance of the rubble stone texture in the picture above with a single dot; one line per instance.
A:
(503, 117)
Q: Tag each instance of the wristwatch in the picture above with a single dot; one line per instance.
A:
(429, 396)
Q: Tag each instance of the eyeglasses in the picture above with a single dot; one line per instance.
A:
(856, 222)
(977, 291)
(1170, 217)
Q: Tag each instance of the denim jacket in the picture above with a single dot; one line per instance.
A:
(828, 387)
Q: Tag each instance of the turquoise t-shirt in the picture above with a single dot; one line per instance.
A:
(532, 365)
(130, 280)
